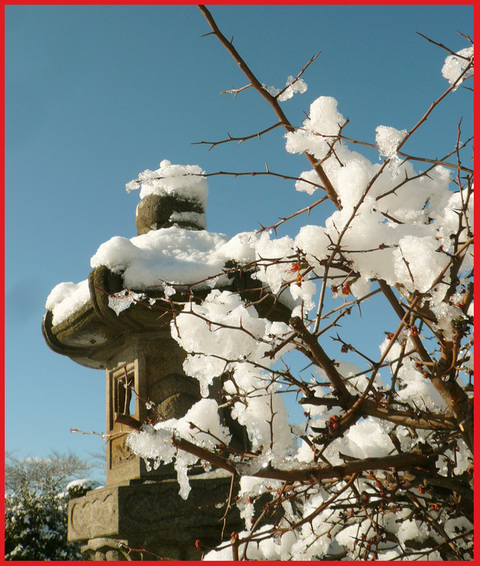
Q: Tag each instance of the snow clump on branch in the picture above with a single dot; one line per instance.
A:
(456, 64)
(292, 87)
(201, 425)
(405, 241)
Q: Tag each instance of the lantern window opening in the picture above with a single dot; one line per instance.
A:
(123, 388)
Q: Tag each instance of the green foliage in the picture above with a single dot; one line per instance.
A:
(36, 503)
(36, 526)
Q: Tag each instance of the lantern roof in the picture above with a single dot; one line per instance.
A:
(136, 283)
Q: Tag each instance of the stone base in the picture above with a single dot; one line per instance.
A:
(150, 521)
(111, 549)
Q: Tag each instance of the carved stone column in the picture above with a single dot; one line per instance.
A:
(146, 381)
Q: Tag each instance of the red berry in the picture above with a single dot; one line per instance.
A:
(295, 267)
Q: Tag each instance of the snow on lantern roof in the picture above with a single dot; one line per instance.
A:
(158, 260)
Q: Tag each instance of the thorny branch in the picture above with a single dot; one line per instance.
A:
(272, 100)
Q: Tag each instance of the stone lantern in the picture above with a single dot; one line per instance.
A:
(139, 514)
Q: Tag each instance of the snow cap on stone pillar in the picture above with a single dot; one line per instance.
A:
(173, 195)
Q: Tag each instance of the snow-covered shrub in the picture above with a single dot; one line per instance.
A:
(36, 503)
(382, 467)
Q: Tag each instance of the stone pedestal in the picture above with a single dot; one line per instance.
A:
(150, 521)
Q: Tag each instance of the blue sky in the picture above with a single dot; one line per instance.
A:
(96, 94)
